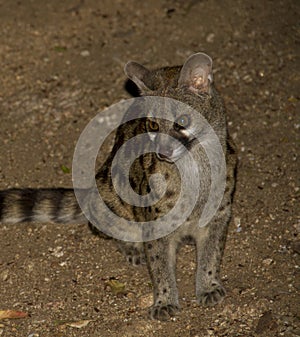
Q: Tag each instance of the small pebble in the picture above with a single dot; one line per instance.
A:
(210, 38)
(85, 53)
(267, 261)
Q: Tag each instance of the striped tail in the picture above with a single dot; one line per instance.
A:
(40, 205)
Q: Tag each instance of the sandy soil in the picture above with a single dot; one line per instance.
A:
(61, 63)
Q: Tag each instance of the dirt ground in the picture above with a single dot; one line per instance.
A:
(61, 63)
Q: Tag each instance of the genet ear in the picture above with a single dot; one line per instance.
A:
(196, 73)
(137, 73)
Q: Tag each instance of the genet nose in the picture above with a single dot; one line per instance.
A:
(165, 151)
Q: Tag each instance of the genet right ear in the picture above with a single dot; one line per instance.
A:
(137, 73)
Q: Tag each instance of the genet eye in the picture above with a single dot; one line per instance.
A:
(152, 126)
(182, 121)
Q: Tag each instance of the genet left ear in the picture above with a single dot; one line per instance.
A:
(196, 73)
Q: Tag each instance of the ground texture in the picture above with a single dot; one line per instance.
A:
(61, 63)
